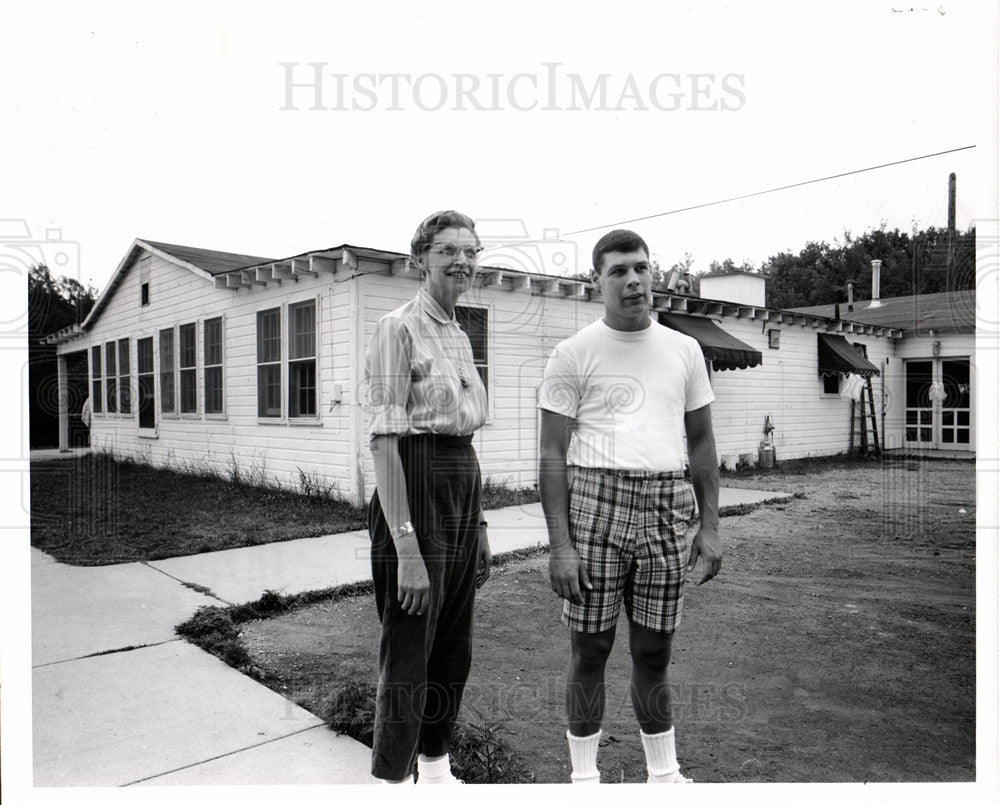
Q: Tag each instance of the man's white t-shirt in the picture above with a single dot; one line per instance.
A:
(628, 392)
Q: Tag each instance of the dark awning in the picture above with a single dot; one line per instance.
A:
(837, 356)
(718, 346)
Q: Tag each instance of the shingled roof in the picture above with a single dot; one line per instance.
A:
(208, 259)
(945, 312)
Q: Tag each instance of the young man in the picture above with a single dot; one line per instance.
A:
(617, 401)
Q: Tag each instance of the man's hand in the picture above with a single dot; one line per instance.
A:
(413, 586)
(485, 563)
(567, 574)
(708, 545)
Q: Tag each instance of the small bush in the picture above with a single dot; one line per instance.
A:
(351, 711)
(479, 755)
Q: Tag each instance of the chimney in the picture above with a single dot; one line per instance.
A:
(850, 296)
(876, 282)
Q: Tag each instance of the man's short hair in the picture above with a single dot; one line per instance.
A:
(617, 240)
(430, 226)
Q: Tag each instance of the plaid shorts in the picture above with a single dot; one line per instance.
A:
(630, 529)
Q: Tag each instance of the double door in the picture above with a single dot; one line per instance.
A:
(938, 404)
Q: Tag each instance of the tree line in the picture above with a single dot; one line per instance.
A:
(54, 303)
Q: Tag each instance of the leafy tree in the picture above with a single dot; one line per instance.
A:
(54, 302)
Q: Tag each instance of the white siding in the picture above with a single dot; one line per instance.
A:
(273, 452)
(787, 386)
(524, 327)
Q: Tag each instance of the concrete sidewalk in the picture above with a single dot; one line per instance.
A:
(118, 699)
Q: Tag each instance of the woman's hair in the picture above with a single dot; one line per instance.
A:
(430, 226)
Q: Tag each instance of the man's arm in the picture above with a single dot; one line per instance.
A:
(566, 572)
(705, 479)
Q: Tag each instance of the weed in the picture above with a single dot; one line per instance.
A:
(497, 495)
(312, 486)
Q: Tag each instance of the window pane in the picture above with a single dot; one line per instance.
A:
(213, 342)
(963, 417)
(144, 355)
(963, 437)
(124, 395)
(269, 390)
(123, 357)
(213, 390)
(269, 336)
(188, 347)
(911, 417)
(97, 397)
(189, 391)
(303, 330)
(948, 418)
(831, 384)
(147, 398)
(95, 362)
(911, 434)
(474, 321)
(925, 434)
(110, 367)
(947, 436)
(302, 388)
(167, 390)
(111, 387)
(918, 384)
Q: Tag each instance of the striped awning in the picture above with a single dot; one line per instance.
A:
(718, 346)
(837, 356)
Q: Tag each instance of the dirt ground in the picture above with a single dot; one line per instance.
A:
(837, 645)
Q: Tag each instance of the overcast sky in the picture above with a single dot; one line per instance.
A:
(171, 126)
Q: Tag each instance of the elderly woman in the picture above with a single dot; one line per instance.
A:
(430, 552)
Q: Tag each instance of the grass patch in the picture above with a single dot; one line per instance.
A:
(498, 496)
(98, 510)
(478, 752)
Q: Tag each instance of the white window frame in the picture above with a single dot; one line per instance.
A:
(221, 365)
(192, 369)
(285, 335)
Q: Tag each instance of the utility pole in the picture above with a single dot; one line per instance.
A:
(950, 265)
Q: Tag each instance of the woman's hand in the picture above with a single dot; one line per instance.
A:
(413, 586)
(485, 558)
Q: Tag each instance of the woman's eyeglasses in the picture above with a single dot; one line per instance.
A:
(450, 251)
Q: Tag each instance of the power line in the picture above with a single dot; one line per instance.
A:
(746, 195)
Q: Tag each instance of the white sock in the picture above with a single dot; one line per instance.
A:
(434, 770)
(661, 756)
(583, 757)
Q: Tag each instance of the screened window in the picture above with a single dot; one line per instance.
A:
(124, 377)
(168, 384)
(96, 386)
(111, 376)
(831, 384)
(188, 360)
(147, 382)
(213, 366)
(302, 360)
(269, 363)
(475, 322)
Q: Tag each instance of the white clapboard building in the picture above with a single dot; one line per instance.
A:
(236, 364)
